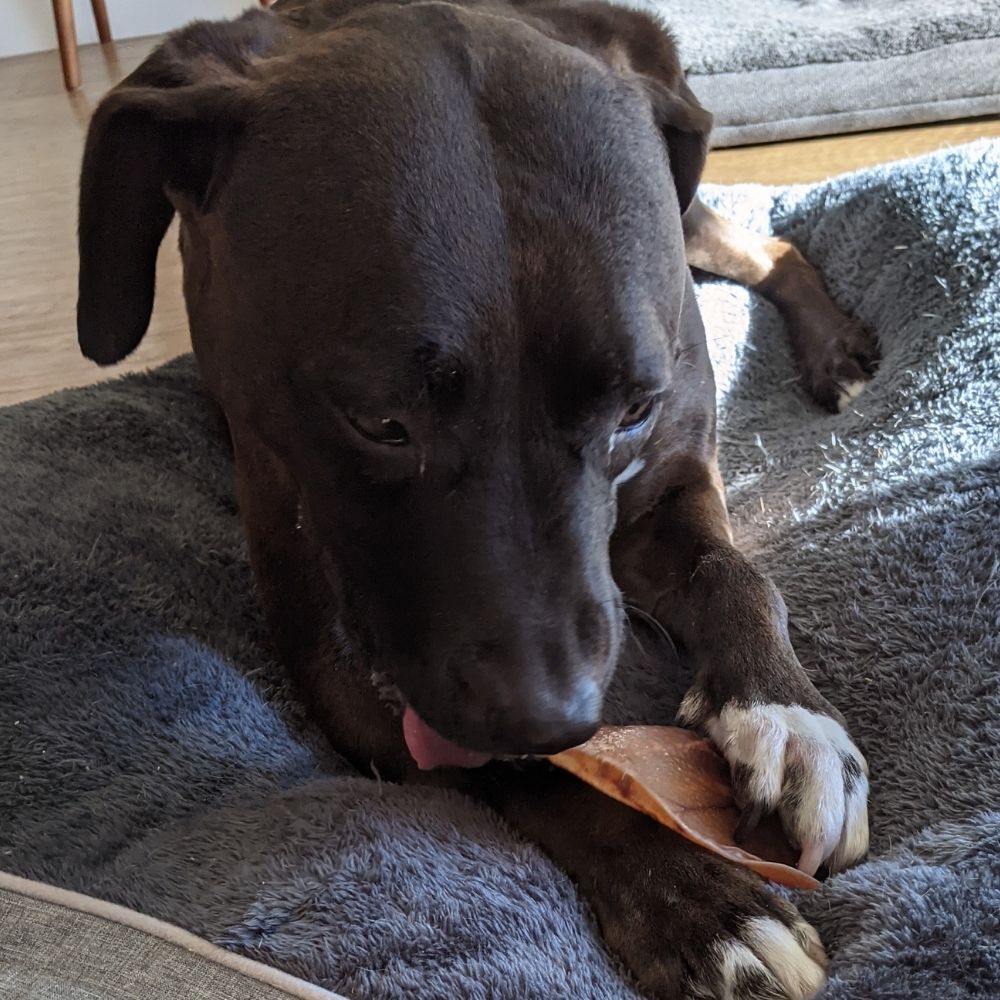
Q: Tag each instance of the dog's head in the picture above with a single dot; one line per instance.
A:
(433, 258)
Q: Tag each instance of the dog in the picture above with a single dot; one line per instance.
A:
(437, 266)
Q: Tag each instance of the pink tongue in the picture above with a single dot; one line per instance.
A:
(430, 749)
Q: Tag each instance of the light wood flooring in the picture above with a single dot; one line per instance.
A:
(41, 134)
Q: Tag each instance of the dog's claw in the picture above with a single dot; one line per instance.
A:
(811, 858)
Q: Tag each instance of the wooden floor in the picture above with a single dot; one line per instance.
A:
(43, 127)
(813, 159)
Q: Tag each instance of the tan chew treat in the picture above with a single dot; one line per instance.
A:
(678, 779)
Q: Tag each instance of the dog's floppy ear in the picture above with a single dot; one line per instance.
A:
(171, 126)
(686, 127)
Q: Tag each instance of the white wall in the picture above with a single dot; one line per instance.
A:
(27, 25)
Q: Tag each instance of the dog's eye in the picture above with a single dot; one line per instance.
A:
(381, 430)
(636, 415)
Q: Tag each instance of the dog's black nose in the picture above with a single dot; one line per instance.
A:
(548, 721)
(553, 739)
(523, 687)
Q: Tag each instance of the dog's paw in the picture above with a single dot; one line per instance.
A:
(838, 372)
(729, 938)
(682, 920)
(797, 762)
(766, 959)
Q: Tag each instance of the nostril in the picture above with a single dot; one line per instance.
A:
(556, 657)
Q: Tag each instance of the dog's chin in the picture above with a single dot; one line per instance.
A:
(429, 749)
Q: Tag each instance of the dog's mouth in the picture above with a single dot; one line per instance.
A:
(429, 749)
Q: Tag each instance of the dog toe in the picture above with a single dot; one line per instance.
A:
(767, 960)
(837, 373)
(850, 392)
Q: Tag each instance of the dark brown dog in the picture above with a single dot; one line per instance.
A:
(435, 270)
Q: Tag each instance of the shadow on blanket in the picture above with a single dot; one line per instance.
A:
(152, 755)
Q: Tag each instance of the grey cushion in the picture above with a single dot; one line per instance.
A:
(783, 69)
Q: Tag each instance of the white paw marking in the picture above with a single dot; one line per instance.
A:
(768, 959)
(849, 393)
(796, 764)
(737, 963)
(782, 952)
(854, 844)
(632, 469)
(808, 939)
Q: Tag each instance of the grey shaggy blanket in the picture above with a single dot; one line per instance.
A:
(151, 754)
(778, 69)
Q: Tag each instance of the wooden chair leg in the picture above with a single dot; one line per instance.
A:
(101, 17)
(66, 32)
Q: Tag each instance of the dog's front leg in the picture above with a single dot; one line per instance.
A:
(786, 745)
(683, 921)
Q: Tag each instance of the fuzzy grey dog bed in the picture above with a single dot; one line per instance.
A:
(150, 753)
(783, 69)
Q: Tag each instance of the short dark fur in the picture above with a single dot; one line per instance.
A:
(465, 217)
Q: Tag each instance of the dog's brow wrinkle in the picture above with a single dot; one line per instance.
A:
(442, 371)
(447, 384)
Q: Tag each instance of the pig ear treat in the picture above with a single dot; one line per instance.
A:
(679, 779)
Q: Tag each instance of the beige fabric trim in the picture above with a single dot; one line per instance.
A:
(144, 924)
